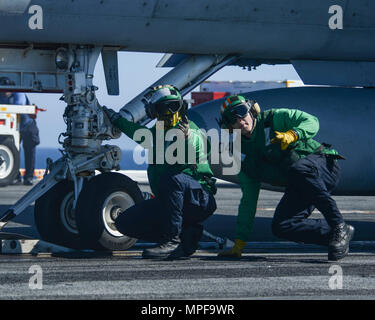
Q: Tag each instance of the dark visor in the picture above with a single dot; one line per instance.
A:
(172, 106)
(240, 111)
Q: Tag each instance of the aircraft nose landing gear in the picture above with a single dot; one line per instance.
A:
(74, 207)
(84, 216)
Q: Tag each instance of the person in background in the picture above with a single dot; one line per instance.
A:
(29, 131)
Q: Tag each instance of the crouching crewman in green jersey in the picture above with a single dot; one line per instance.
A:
(184, 191)
(277, 148)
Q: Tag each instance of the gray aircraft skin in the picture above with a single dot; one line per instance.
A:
(258, 29)
(324, 47)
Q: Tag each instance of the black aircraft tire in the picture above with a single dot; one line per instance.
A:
(54, 218)
(99, 203)
(9, 162)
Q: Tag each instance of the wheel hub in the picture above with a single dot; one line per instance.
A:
(113, 206)
(115, 212)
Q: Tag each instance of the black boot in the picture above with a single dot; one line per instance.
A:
(162, 250)
(190, 237)
(338, 246)
(28, 181)
(18, 180)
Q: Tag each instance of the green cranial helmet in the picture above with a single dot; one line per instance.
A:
(165, 99)
(235, 107)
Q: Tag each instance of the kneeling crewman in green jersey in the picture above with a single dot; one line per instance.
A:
(184, 191)
(277, 148)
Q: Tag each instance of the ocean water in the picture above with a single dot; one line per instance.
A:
(127, 162)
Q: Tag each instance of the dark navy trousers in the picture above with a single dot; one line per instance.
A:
(310, 183)
(30, 139)
(181, 202)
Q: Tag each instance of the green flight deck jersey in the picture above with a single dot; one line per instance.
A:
(198, 144)
(263, 161)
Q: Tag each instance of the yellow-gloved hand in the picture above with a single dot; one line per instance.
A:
(236, 251)
(285, 138)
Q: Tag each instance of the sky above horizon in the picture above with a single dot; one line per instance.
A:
(136, 72)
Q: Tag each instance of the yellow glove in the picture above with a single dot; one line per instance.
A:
(285, 138)
(236, 251)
